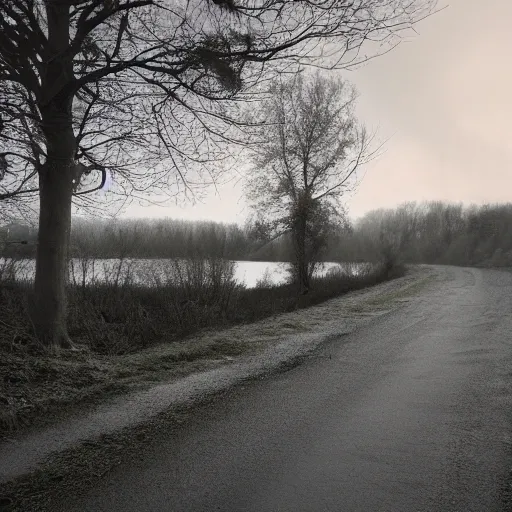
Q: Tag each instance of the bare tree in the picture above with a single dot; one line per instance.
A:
(134, 91)
(310, 152)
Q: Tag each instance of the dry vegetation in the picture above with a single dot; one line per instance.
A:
(129, 335)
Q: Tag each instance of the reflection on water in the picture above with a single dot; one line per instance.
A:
(250, 272)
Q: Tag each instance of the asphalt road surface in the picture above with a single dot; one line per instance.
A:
(411, 413)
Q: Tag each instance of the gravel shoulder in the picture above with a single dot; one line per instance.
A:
(81, 447)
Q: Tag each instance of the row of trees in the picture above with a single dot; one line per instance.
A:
(434, 232)
(155, 238)
(148, 238)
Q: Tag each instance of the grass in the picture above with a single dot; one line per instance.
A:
(130, 336)
(386, 300)
(35, 385)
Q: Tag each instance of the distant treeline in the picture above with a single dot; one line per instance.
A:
(155, 238)
(433, 232)
(168, 238)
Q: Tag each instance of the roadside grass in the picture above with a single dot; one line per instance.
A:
(38, 387)
(385, 301)
(130, 336)
(403, 293)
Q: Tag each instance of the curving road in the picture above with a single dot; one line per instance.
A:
(410, 413)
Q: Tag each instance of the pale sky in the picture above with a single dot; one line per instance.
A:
(444, 98)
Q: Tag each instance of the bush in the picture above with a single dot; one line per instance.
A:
(265, 281)
(390, 264)
(15, 326)
(121, 315)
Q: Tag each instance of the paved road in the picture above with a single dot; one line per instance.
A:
(411, 413)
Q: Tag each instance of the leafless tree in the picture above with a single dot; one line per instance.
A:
(135, 91)
(311, 150)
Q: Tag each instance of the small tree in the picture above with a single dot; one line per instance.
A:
(311, 148)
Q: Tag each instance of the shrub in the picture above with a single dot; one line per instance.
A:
(142, 306)
(134, 307)
(265, 281)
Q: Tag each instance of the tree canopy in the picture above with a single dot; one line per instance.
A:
(156, 84)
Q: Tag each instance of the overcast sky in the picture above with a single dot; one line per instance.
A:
(444, 98)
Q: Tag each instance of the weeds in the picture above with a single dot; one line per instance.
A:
(117, 315)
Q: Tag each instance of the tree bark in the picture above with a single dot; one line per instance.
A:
(49, 315)
(55, 183)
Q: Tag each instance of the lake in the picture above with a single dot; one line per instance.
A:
(100, 270)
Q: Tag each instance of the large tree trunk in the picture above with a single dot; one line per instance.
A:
(51, 278)
(55, 183)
